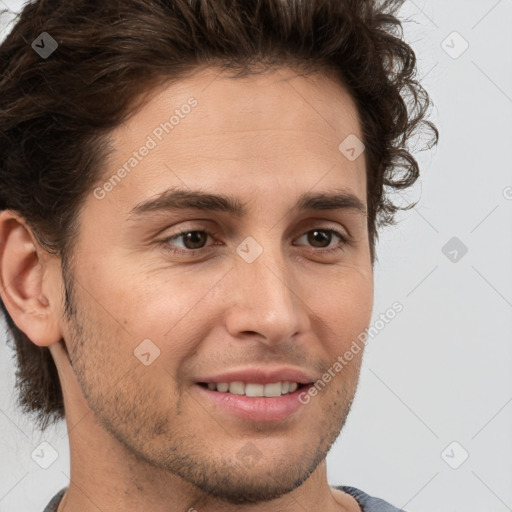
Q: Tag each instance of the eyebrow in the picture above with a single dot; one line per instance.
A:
(177, 199)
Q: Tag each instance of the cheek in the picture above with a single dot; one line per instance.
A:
(345, 307)
(347, 297)
(144, 300)
(174, 311)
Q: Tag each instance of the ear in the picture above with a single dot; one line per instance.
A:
(28, 281)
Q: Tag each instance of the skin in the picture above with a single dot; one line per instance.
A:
(141, 437)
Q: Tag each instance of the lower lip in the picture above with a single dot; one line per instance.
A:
(257, 408)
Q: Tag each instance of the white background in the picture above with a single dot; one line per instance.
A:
(440, 372)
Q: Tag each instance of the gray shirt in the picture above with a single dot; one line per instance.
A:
(366, 502)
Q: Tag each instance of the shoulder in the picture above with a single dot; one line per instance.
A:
(368, 503)
(54, 502)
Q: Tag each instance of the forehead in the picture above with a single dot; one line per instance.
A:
(260, 130)
(222, 95)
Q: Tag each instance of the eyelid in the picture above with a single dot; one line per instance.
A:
(336, 232)
(324, 224)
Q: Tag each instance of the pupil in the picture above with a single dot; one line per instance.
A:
(323, 235)
(195, 238)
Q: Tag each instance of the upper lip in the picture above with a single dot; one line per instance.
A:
(262, 376)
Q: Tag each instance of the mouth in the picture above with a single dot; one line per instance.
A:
(272, 402)
(254, 390)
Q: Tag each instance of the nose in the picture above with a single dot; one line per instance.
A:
(266, 300)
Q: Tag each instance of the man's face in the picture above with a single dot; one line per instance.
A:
(263, 290)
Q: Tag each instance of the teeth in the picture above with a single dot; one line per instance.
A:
(254, 390)
(272, 389)
(237, 388)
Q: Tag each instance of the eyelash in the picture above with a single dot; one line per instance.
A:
(187, 252)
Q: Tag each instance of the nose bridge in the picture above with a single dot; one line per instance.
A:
(265, 300)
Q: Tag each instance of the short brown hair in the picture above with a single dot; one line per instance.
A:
(56, 112)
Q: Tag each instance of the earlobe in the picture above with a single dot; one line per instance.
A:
(22, 269)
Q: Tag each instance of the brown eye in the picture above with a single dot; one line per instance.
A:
(322, 238)
(194, 239)
(319, 238)
(191, 240)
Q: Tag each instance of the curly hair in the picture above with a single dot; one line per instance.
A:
(56, 112)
